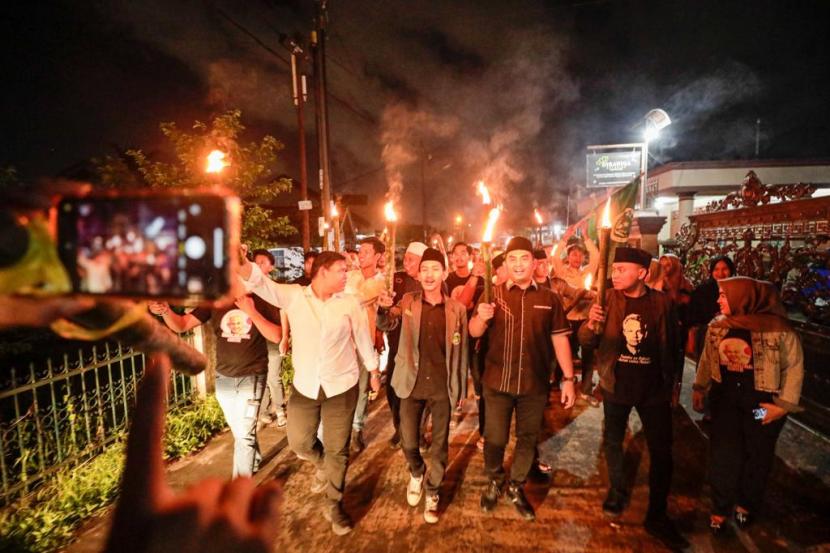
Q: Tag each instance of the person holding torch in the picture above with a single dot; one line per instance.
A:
(635, 339)
(525, 326)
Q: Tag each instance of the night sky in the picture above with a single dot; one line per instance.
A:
(507, 91)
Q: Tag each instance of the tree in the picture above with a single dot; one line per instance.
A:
(251, 174)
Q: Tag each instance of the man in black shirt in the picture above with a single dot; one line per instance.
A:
(241, 365)
(525, 326)
(431, 372)
(465, 284)
(636, 358)
(403, 282)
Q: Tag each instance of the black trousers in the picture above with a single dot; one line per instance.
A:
(411, 412)
(529, 412)
(392, 398)
(657, 426)
(587, 357)
(742, 449)
(332, 455)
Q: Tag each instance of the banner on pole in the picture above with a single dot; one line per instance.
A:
(622, 214)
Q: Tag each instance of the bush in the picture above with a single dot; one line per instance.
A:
(47, 519)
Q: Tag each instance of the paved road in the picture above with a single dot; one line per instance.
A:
(568, 505)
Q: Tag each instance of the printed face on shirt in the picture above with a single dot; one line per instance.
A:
(460, 257)
(735, 354)
(635, 331)
(625, 276)
(723, 304)
(431, 275)
(236, 326)
(410, 264)
(520, 265)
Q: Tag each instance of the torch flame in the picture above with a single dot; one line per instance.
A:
(491, 225)
(485, 194)
(538, 216)
(216, 162)
(389, 212)
(588, 280)
(606, 214)
(334, 212)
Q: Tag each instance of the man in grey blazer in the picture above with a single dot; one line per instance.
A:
(430, 371)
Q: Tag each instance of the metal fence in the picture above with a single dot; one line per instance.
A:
(59, 414)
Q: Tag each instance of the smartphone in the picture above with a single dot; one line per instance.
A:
(759, 413)
(150, 245)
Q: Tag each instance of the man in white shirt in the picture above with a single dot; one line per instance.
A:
(330, 329)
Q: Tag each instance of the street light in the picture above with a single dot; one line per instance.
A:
(653, 122)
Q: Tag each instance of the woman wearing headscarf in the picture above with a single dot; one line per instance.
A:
(703, 306)
(752, 367)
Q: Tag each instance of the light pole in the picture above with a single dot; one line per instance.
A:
(653, 122)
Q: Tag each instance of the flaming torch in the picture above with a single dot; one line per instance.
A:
(538, 217)
(486, 254)
(216, 162)
(392, 220)
(602, 270)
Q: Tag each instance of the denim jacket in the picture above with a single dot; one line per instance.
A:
(779, 364)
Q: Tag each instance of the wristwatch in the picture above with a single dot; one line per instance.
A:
(568, 379)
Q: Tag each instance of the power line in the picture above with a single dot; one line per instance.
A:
(360, 113)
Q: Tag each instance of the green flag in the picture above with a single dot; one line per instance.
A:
(622, 214)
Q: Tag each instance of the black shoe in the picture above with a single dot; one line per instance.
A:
(341, 524)
(395, 441)
(742, 519)
(516, 495)
(490, 497)
(357, 444)
(662, 528)
(614, 503)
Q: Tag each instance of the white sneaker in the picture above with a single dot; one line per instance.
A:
(282, 421)
(415, 490)
(431, 509)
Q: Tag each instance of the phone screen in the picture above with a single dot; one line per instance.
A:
(147, 246)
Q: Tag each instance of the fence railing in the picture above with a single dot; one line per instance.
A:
(59, 413)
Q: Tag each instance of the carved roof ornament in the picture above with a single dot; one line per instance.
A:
(753, 192)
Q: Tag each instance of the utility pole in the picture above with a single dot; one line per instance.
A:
(318, 47)
(423, 194)
(299, 89)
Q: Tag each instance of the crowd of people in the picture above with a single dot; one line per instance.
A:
(441, 332)
(525, 340)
